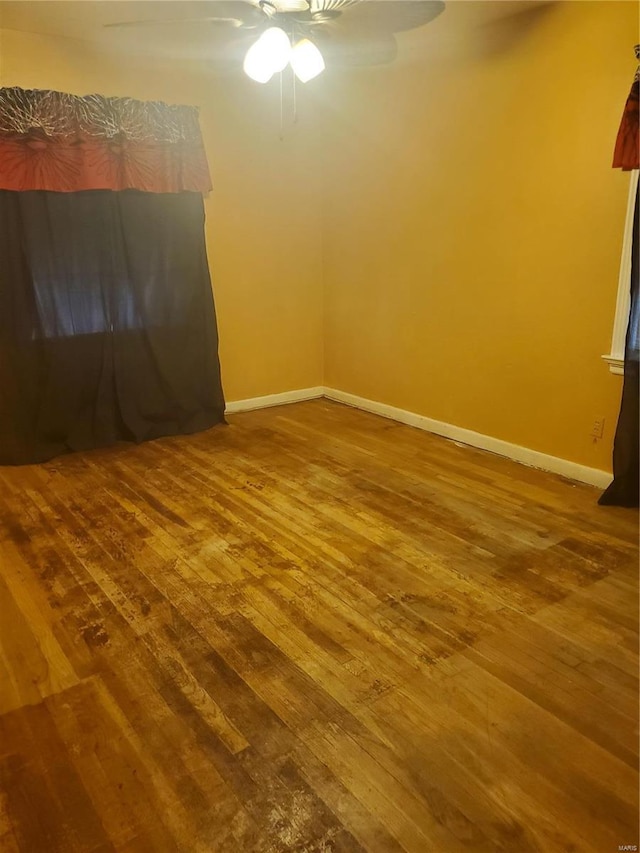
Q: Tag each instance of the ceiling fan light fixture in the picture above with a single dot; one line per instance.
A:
(306, 60)
(268, 55)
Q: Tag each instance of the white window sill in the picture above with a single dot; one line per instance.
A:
(616, 364)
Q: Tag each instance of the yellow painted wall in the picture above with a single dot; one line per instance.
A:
(468, 241)
(473, 225)
(263, 216)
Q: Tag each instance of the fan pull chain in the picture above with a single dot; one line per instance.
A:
(281, 110)
(295, 100)
(294, 92)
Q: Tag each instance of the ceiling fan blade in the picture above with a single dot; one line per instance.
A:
(290, 5)
(392, 16)
(330, 8)
(231, 13)
(153, 22)
(348, 48)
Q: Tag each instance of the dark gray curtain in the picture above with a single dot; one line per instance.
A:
(107, 321)
(623, 491)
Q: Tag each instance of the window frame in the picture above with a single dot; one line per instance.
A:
(615, 358)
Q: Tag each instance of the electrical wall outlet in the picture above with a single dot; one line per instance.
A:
(597, 430)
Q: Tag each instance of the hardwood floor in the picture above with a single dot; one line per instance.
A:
(314, 630)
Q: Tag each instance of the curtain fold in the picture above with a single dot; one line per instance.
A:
(107, 321)
(624, 490)
(626, 155)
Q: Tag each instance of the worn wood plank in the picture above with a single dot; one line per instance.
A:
(314, 630)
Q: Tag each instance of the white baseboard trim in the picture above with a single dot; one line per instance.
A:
(532, 458)
(274, 400)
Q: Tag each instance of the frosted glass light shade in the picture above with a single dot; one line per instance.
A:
(306, 60)
(256, 65)
(268, 55)
(275, 42)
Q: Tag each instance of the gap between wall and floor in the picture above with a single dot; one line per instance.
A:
(532, 458)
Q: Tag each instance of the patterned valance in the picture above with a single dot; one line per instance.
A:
(66, 143)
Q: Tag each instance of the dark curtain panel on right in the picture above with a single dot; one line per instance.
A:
(107, 322)
(624, 489)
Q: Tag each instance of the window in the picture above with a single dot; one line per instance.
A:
(615, 358)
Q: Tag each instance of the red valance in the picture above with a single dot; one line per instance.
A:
(65, 143)
(627, 151)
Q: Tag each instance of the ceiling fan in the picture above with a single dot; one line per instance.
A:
(305, 33)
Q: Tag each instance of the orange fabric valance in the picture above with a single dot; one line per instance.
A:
(66, 143)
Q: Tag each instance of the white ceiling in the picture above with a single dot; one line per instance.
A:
(86, 20)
